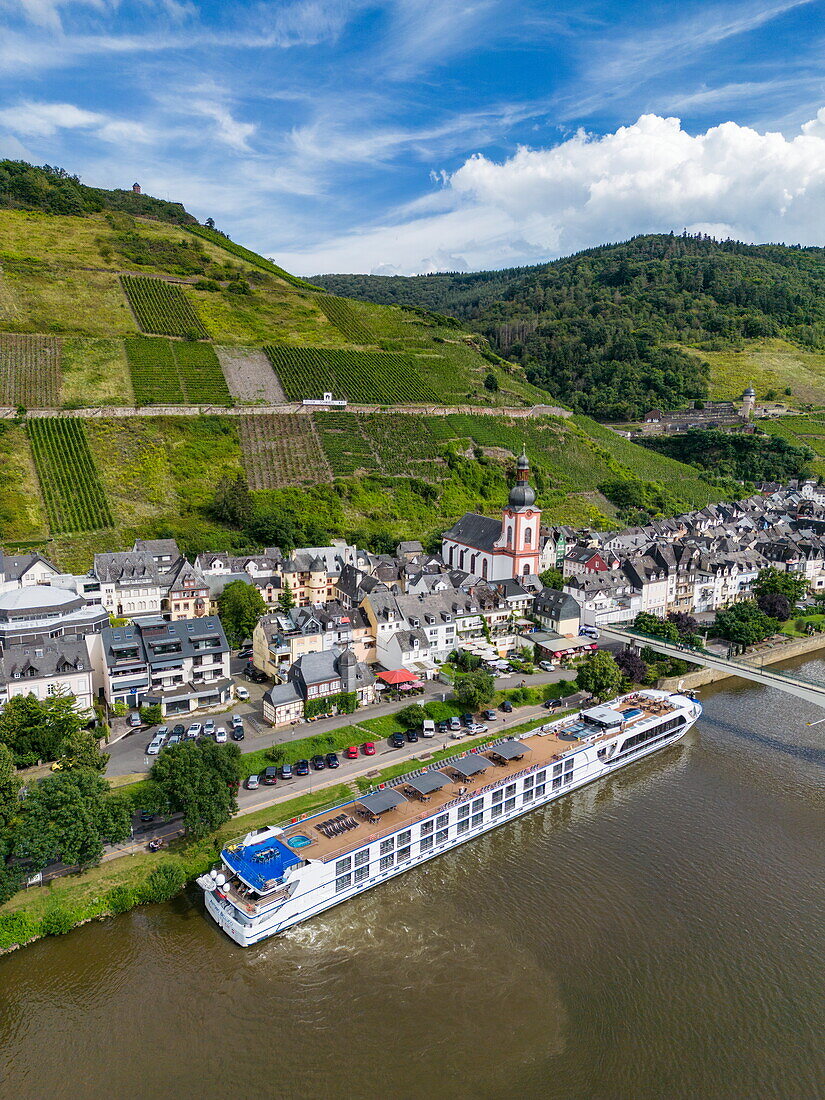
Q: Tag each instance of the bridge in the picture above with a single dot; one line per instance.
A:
(811, 691)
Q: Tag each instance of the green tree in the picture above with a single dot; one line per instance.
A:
(491, 383)
(286, 600)
(770, 581)
(412, 716)
(151, 715)
(35, 730)
(656, 627)
(232, 502)
(744, 624)
(552, 578)
(67, 817)
(240, 605)
(200, 781)
(81, 749)
(600, 675)
(10, 786)
(473, 689)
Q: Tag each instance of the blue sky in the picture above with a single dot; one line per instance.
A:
(415, 135)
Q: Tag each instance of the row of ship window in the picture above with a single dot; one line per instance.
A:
(394, 850)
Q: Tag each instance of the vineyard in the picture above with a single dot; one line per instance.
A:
(369, 377)
(281, 450)
(162, 307)
(172, 373)
(242, 253)
(69, 481)
(29, 371)
(345, 445)
(341, 313)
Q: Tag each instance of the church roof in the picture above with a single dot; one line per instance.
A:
(479, 532)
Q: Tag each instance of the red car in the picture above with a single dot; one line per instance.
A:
(368, 748)
(351, 753)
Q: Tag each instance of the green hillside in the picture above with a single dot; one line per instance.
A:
(657, 321)
(110, 301)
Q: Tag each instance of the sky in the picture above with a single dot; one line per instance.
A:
(410, 136)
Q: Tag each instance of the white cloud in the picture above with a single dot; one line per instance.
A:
(652, 176)
(44, 120)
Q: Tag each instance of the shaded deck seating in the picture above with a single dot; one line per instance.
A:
(337, 826)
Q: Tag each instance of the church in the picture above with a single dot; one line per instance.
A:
(498, 550)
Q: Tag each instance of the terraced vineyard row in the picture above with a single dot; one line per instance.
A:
(29, 370)
(162, 307)
(341, 313)
(172, 373)
(405, 445)
(72, 492)
(245, 254)
(369, 377)
(281, 450)
(345, 446)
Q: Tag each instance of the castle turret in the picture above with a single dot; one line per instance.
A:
(748, 403)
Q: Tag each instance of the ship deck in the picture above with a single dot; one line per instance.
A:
(544, 749)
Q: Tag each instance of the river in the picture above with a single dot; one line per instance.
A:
(659, 934)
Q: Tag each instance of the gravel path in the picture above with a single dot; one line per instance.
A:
(250, 376)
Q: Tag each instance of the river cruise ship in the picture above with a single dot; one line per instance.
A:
(281, 875)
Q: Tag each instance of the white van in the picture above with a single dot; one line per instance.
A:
(589, 632)
(428, 728)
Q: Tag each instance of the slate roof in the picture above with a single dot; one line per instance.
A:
(479, 532)
(60, 657)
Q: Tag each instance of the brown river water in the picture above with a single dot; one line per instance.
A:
(658, 934)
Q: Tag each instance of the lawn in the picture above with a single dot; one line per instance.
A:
(22, 515)
(766, 365)
(95, 372)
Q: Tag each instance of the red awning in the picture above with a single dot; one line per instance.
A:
(397, 676)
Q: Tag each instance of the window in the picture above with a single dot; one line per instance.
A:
(510, 804)
(510, 789)
(343, 865)
(403, 855)
(529, 781)
(463, 811)
(540, 790)
(427, 827)
(498, 810)
(478, 805)
(528, 536)
(509, 535)
(387, 845)
(343, 883)
(568, 765)
(463, 826)
(361, 873)
(557, 769)
(426, 843)
(541, 776)
(441, 836)
(477, 819)
(557, 781)
(529, 796)
(386, 862)
(441, 822)
(497, 796)
(404, 838)
(362, 858)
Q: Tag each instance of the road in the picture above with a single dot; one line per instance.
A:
(128, 755)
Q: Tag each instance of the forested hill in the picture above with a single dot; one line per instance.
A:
(605, 330)
(54, 191)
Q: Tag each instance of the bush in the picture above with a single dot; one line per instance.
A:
(16, 928)
(120, 899)
(57, 920)
(164, 882)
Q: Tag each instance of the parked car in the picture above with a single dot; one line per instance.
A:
(162, 731)
(245, 653)
(269, 776)
(237, 719)
(351, 752)
(551, 704)
(476, 727)
(256, 676)
(456, 733)
(220, 735)
(490, 716)
(209, 727)
(397, 740)
(332, 760)
(442, 727)
(302, 767)
(252, 783)
(412, 735)
(154, 747)
(428, 728)
(368, 748)
(179, 730)
(194, 731)
(547, 666)
(285, 771)
(134, 720)
(237, 733)
(176, 738)
(146, 816)
(507, 706)
(241, 693)
(454, 724)
(467, 719)
(589, 632)
(318, 762)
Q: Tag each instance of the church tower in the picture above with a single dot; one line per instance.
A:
(521, 523)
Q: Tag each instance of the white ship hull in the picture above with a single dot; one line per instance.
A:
(313, 887)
